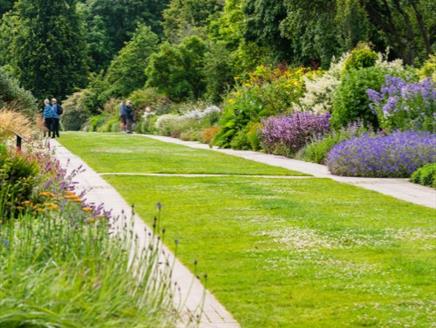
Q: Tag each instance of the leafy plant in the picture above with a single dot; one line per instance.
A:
(425, 175)
(351, 102)
(396, 156)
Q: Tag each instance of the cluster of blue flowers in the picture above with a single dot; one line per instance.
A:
(401, 105)
(397, 155)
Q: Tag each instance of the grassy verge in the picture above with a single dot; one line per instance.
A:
(301, 253)
(123, 153)
(285, 253)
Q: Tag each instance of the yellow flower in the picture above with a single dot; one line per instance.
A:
(46, 194)
(52, 206)
(87, 209)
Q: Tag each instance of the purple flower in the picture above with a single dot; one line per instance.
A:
(288, 134)
(374, 96)
(404, 105)
(397, 155)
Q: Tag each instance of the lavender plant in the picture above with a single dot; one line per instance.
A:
(402, 105)
(396, 156)
(285, 135)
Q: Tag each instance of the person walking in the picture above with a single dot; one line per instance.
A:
(123, 115)
(47, 115)
(130, 117)
(57, 112)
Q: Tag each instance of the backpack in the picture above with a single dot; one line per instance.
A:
(60, 110)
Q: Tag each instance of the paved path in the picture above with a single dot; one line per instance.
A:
(398, 188)
(192, 292)
(133, 174)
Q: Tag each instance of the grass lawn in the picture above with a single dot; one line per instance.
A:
(292, 253)
(109, 153)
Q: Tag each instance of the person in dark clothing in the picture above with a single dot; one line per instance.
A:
(57, 112)
(130, 117)
(47, 115)
(123, 116)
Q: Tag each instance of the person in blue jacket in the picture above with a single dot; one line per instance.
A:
(57, 112)
(47, 115)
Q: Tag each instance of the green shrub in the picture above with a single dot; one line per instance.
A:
(15, 97)
(18, 177)
(318, 150)
(111, 124)
(152, 98)
(94, 123)
(361, 57)
(75, 115)
(428, 69)
(351, 102)
(254, 135)
(240, 141)
(425, 176)
(146, 124)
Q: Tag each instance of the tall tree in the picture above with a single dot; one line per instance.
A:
(50, 52)
(6, 5)
(183, 18)
(310, 26)
(112, 23)
(126, 72)
(263, 25)
(408, 26)
(178, 70)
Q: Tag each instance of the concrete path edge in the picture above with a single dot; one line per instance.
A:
(191, 293)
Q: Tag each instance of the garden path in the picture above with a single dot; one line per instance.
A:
(398, 188)
(191, 294)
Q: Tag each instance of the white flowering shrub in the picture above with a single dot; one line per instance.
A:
(193, 120)
(320, 89)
